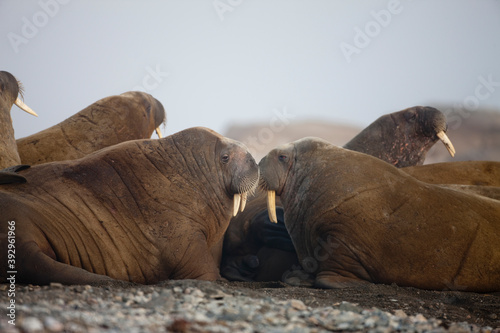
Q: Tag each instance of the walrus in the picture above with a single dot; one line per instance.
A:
(141, 211)
(255, 249)
(129, 116)
(483, 173)
(355, 219)
(10, 94)
(403, 138)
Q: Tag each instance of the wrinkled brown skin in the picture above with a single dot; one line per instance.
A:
(109, 121)
(141, 211)
(244, 241)
(359, 220)
(9, 90)
(401, 138)
(483, 173)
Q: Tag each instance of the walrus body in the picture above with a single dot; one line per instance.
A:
(479, 173)
(109, 121)
(354, 219)
(400, 138)
(141, 211)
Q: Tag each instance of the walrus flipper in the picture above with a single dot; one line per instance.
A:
(329, 280)
(9, 175)
(16, 168)
(11, 178)
(39, 268)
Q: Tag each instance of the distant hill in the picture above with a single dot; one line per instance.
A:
(475, 135)
(260, 138)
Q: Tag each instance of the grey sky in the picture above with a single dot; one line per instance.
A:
(214, 63)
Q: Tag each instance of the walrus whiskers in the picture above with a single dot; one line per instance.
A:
(447, 143)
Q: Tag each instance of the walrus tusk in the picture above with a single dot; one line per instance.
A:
(447, 143)
(236, 203)
(158, 132)
(20, 104)
(244, 196)
(271, 206)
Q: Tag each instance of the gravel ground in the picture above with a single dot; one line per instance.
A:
(201, 306)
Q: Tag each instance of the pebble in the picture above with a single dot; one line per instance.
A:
(32, 324)
(53, 325)
(180, 308)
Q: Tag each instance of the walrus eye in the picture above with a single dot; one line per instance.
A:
(283, 158)
(225, 158)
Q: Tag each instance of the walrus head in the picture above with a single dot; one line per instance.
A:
(234, 165)
(10, 91)
(240, 171)
(277, 165)
(403, 138)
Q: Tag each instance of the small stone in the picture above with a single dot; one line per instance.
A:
(53, 325)
(56, 285)
(400, 313)
(32, 324)
(198, 293)
(179, 325)
(420, 318)
(218, 295)
(298, 305)
(346, 306)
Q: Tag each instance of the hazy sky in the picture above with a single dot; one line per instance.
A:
(215, 63)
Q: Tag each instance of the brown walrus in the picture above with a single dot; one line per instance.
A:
(403, 138)
(355, 219)
(257, 250)
(130, 116)
(140, 211)
(10, 90)
(483, 173)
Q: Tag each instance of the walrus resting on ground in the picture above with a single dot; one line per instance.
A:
(403, 138)
(484, 173)
(355, 219)
(10, 90)
(130, 116)
(140, 211)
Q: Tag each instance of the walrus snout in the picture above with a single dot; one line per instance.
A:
(433, 124)
(245, 179)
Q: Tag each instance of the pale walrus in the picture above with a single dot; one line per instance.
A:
(355, 219)
(10, 93)
(403, 138)
(130, 116)
(141, 211)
